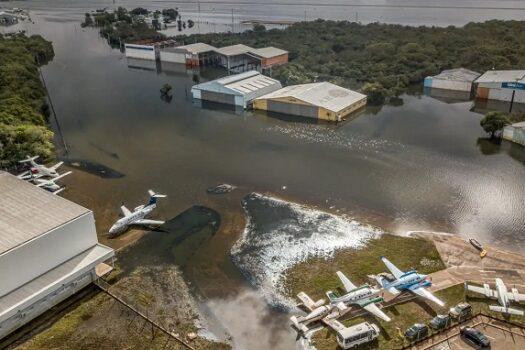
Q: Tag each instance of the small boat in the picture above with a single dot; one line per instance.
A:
(478, 246)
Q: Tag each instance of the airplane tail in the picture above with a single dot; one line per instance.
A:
(153, 197)
(296, 321)
(28, 159)
(507, 310)
(382, 281)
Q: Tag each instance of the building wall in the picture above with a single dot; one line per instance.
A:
(145, 52)
(299, 109)
(493, 91)
(451, 85)
(64, 242)
(218, 97)
(47, 300)
(517, 135)
(281, 59)
(173, 57)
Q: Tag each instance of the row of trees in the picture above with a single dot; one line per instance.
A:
(390, 56)
(23, 108)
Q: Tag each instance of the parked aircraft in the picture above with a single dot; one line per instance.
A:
(318, 311)
(504, 297)
(137, 216)
(410, 280)
(50, 185)
(364, 296)
(38, 170)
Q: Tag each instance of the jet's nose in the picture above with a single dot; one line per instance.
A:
(113, 229)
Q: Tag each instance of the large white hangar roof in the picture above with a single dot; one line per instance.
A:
(327, 95)
(27, 212)
(458, 74)
(500, 76)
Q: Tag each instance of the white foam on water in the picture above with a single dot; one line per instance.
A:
(265, 254)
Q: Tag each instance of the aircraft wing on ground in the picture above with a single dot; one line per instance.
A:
(148, 222)
(308, 302)
(515, 296)
(395, 271)
(56, 166)
(422, 292)
(489, 293)
(125, 211)
(346, 282)
(373, 309)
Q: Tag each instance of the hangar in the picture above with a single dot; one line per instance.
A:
(238, 90)
(458, 79)
(324, 101)
(48, 251)
(501, 85)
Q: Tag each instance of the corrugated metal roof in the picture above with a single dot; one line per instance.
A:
(197, 48)
(325, 94)
(27, 211)
(268, 52)
(500, 76)
(233, 50)
(458, 74)
(23, 297)
(250, 84)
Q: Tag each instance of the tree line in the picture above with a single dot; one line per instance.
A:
(23, 108)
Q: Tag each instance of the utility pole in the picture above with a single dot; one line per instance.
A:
(305, 15)
(232, 21)
(199, 19)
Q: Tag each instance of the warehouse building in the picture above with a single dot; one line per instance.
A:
(501, 85)
(324, 101)
(147, 49)
(515, 133)
(238, 90)
(459, 79)
(48, 251)
(198, 54)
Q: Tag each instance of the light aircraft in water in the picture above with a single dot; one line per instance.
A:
(38, 170)
(137, 217)
(50, 184)
(504, 297)
(365, 296)
(410, 280)
(318, 311)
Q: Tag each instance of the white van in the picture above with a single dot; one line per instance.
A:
(348, 337)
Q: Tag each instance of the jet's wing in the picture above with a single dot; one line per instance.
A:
(56, 166)
(515, 295)
(422, 292)
(148, 222)
(125, 211)
(25, 175)
(373, 309)
(395, 271)
(346, 282)
(489, 293)
(61, 176)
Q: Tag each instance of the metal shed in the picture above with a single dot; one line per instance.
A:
(238, 90)
(501, 85)
(458, 79)
(324, 100)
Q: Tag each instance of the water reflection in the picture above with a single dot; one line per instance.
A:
(448, 96)
(488, 147)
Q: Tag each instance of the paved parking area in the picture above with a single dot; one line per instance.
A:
(501, 335)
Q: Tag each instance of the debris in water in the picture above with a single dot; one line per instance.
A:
(221, 189)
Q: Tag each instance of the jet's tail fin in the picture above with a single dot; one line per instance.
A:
(297, 323)
(507, 310)
(386, 285)
(153, 197)
(331, 296)
(28, 159)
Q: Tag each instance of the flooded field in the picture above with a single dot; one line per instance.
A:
(421, 164)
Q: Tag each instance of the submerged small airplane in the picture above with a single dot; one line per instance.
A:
(137, 216)
(318, 311)
(38, 170)
(504, 297)
(50, 185)
(364, 296)
(410, 280)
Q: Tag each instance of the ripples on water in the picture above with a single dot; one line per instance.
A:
(280, 234)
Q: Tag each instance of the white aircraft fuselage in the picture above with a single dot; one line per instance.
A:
(362, 295)
(139, 213)
(408, 280)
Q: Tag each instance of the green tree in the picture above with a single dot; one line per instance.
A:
(493, 122)
(375, 92)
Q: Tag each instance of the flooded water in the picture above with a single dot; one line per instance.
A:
(421, 164)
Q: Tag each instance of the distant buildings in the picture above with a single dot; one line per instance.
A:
(7, 19)
(324, 101)
(501, 85)
(48, 251)
(147, 49)
(235, 58)
(458, 79)
(515, 133)
(237, 90)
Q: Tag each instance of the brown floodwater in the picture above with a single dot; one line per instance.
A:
(421, 164)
